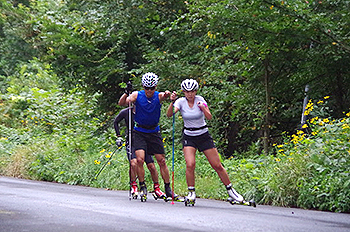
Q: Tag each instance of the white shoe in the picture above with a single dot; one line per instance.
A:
(191, 196)
(233, 194)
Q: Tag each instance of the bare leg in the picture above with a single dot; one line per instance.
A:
(190, 157)
(154, 174)
(164, 171)
(140, 156)
(214, 160)
(133, 169)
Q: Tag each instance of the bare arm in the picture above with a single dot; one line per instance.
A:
(164, 95)
(170, 110)
(205, 109)
(125, 99)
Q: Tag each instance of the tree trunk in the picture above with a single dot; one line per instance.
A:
(267, 125)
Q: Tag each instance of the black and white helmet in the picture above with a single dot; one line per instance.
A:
(149, 79)
(189, 85)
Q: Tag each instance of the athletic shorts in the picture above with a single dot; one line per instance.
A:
(151, 143)
(201, 142)
(148, 158)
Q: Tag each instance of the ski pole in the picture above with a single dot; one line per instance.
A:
(173, 176)
(105, 164)
(129, 85)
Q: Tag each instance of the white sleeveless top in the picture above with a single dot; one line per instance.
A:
(193, 117)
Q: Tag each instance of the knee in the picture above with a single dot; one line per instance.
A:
(190, 165)
(151, 167)
(140, 160)
(218, 167)
(161, 161)
(133, 163)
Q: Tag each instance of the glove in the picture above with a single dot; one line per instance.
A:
(118, 142)
(128, 88)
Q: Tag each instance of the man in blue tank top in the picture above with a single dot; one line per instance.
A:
(147, 139)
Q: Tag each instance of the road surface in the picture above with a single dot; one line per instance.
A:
(27, 205)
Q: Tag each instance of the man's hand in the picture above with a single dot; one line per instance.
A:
(128, 89)
(166, 94)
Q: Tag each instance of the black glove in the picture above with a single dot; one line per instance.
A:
(128, 88)
(118, 142)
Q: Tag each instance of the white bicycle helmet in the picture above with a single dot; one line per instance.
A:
(189, 85)
(149, 79)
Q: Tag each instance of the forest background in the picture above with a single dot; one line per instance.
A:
(63, 66)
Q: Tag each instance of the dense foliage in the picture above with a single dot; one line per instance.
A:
(62, 63)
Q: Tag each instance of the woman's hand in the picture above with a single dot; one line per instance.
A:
(201, 105)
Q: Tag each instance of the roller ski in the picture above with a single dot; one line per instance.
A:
(236, 199)
(190, 199)
(143, 192)
(246, 203)
(158, 194)
(170, 194)
(133, 190)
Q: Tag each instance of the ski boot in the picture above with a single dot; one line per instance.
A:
(158, 194)
(133, 190)
(143, 192)
(234, 197)
(170, 194)
(190, 199)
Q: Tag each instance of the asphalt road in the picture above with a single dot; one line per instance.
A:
(41, 206)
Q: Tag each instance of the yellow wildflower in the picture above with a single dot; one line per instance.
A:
(345, 126)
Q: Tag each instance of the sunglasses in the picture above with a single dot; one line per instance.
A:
(150, 88)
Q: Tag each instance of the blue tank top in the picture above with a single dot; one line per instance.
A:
(147, 112)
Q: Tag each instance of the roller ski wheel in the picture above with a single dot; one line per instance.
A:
(246, 203)
(143, 198)
(156, 197)
(177, 198)
(189, 202)
(143, 193)
(134, 196)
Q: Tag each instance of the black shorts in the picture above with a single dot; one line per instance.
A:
(201, 142)
(148, 158)
(151, 143)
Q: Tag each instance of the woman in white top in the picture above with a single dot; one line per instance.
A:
(194, 111)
